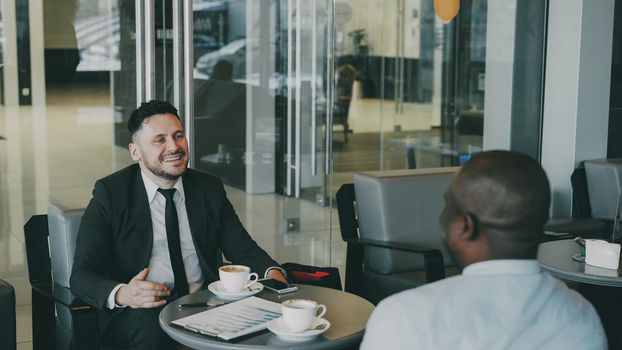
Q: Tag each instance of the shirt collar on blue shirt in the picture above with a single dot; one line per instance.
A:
(505, 267)
(152, 188)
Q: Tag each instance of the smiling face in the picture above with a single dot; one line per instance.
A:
(161, 149)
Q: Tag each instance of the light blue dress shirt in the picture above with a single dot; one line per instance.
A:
(495, 304)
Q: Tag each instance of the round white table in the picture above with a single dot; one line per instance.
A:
(346, 312)
(598, 285)
(556, 258)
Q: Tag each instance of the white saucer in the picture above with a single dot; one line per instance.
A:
(278, 327)
(217, 288)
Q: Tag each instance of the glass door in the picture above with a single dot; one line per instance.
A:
(153, 59)
(124, 80)
(418, 90)
(262, 78)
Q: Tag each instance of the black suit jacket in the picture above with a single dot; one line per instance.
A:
(116, 235)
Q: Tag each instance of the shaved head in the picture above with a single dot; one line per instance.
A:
(503, 195)
(508, 191)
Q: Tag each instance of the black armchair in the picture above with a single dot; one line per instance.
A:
(8, 339)
(59, 319)
(581, 223)
(433, 259)
(391, 251)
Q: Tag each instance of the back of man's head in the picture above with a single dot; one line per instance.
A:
(508, 195)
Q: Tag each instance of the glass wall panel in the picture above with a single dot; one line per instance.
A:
(90, 85)
(417, 96)
(125, 78)
(261, 77)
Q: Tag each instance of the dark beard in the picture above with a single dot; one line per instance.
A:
(167, 176)
(163, 174)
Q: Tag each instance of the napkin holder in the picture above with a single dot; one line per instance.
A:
(602, 254)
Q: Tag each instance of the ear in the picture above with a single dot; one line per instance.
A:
(468, 227)
(134, 151)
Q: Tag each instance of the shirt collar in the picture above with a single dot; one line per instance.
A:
(506, 267)
(152, 188)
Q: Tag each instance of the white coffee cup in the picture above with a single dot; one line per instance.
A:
(234, 278)
(299, 314)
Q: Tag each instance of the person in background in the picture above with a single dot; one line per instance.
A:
(495, 211)
(155, 231)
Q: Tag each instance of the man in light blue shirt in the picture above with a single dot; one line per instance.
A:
(495, 211)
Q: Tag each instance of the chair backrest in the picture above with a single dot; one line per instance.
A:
(63, 225)
(580, 197)
(604, 184)
(401, 206)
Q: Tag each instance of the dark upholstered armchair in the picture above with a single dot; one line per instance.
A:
(390, 223)
(8, 339)
(58, 318)
(581, 223)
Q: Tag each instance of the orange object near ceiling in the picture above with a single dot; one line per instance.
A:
(446, 10)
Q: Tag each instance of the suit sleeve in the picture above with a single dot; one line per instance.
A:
(93, 247)
(237, 245)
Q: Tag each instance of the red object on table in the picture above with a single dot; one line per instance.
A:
(309, 276)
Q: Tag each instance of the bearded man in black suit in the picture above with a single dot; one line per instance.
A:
(154, 231)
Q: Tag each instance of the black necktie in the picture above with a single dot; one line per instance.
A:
(174, 245)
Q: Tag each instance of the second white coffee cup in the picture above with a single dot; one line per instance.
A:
(234, 278)
(299, 314)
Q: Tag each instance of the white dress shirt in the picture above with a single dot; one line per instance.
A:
(160, 269)
(496, 304)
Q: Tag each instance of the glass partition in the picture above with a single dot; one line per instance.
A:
(89, 78)
(262, 75)
(418, 90)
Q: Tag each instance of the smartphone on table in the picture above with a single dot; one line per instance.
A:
(277, 286)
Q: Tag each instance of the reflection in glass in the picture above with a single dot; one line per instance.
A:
(259, 73)
(418, 92)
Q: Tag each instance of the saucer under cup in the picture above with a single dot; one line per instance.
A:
(218, 290)
(299, 314)
(235, 278)
(278, 327)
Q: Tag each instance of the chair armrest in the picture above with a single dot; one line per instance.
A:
(432, 258)
(554, 236)
(407, 247)
(84, 317)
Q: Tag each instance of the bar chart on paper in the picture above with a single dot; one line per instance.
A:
(233, 320)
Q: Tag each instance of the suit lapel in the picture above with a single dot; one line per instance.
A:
(195, 207)
(197, 218)
(142, 216)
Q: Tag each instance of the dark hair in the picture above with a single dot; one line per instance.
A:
(146, 110)
(509, 194)
(514, 191)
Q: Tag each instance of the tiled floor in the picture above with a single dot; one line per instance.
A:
(55, 154)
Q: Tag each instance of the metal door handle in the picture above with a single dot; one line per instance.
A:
(149, 40)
